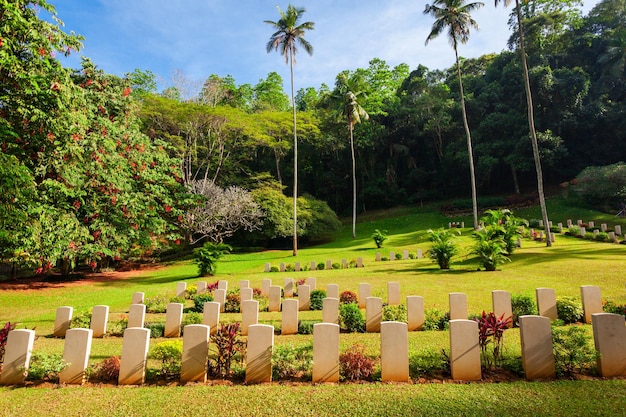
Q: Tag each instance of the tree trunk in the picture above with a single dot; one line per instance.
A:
(515, 181)
(469, 141)
(531, 126)
(295, 161)
(353, 180)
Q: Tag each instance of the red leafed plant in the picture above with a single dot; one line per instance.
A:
(226, 344)
(108, 370)
(354, 365)
(4, 334)
(491, 331)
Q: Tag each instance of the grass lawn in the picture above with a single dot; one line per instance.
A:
(566, 266)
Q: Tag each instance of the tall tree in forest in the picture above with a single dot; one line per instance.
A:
(454, 15)
(348, 92)
(531, 119)
(290, 33)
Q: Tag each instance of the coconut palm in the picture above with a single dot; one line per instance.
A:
(531, 120)
(454, 15)
(348, 93)
(288, 35)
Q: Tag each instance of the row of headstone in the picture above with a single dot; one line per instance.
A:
(456, 224)
(617, 229)
(313, 265)
(405, 255)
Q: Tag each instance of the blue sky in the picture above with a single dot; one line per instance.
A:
(198, 38)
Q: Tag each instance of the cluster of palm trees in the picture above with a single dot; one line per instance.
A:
(453, 16)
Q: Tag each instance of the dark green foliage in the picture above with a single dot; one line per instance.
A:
(225, 347)
(156, 329)
(569, 309)
(435, 319)
(170, 355)
(348, 297)
(81, 320)
(193, 317)
(354, 365)
(45, 367)
(292, 362)
(207, 256)
(395, 313)
(443, 246)
(572, 350)
(379, 237)
(522, 305)
(611, 307)
(306, 326)
(335, 265)
(398, 256)
(321, 266)
(316, 299)
(351, 319)
(199, 300)
(602, 187)
(156, 304)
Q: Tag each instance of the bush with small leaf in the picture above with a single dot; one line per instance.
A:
(170, 356)
(306, 326)
(522, 305)
(316, 299)
(292, 362)
(569, 309)
(199, 300)
(156, 304)
(233, 301)
(45, 367)
(443, 247)
(573, 352)
(81, 320)
(613, 308)
(321, 266)
(379, 237)
(351, 319)
(207, 256)
(193, 317)
(435, 319)
(395, 313)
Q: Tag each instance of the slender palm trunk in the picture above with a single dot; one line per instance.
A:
(531, 126)
(353, 180)
(295, 162)
(469, 141)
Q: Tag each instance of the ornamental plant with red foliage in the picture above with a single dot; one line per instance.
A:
(226, 344)
(491, 331)
(347, 297)
(108, 370)
(354, 365)
(4, 334)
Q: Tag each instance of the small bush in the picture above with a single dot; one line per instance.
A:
(611, 307)
(108, 370)
(206, 257)
(443, 248)
(351, 319)
(156, 304)
(569, 310)
(354, 365)
(170, 354)
(274, 268)
(179, 300)
(81, 320)
(191, 291)
(379, 237)
(412, 255)
(347, 297)
(233, 301)
(427, 362)
(292, 362)
(321, 266)
(533, 223)
(193, 317)
(289, 268)
(306, 326)
(573, 231)
(435, 319)
(490, 333)
(336, 265)
(522, 305)
(398, 256)
(117, 327)
(316, 299)
(199, 300)
(395, 313)
(602, 237)
(45, 367)
(572, 350)
(156, 329)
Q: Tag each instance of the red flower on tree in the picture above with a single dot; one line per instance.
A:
(126, 91)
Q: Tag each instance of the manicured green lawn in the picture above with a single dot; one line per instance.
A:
(566, 266)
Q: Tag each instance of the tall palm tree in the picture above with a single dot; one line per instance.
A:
(531, 120)
(353, 112)
(454, 15)
(290, 33)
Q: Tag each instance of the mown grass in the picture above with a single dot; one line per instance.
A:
(566, 266)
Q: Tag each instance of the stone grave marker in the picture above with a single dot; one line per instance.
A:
(282, 267)
(464, 350)
(330, 310)
(76, 354)
(134, 356)
(325, 352)
(304, 297)
(312, 283)
(415, 312)
(275, 295)
(211, 315)
(219, 296)
(290, 317)
(136, 315)
(420, 254)
(246, 294)
(138, 298)
(181, 289)
(222, 285)
(99, 319)
(332, 291)
(259, 354)
(313, 266)
(546, 302)
(609, 335)
(378, 257)
(592, 301)
(359, 262)
(173, 319)
(288, 287)
(265, 287)
(201, 287)
(393, 293)
(195, 353)
(268, 267)
(373, 314)
(405, 255)
(329, 264)
(618, 229)
(344, 263)
(501, 302)
(537, 353)
(364, 292)
(297, 267)
(392, 256)
(458, 306)
(244, 283)
(18, 351)
(394, 351)
(62, 320)
(249, 315)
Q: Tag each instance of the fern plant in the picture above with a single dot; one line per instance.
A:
(208, 255)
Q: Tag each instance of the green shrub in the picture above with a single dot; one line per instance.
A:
(602, 187)
(354, 365)
(351, 319)
(398, 256)
(395, 313)
(179, 300)
(316, 299)
(427, 362)
(533, 223)
(522, 305)
(170, 354)
(274, 268)
(572, 350)
(207, 256)
(443, 246)
(156, 329)
(347, 297)
(292, 362)
(435, 319)
(336, 265)
(321, 266)
(611, 307)
(573, 231)
(81, 320)
(199, 300)
(156, 304)
(117, 327)
(193, 317)
(569, 310)
(306, 326)
(379, 237)
(490, 248)
(602, 237)
(45, 367)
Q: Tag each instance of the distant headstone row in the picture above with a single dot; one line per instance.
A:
(314, 266)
